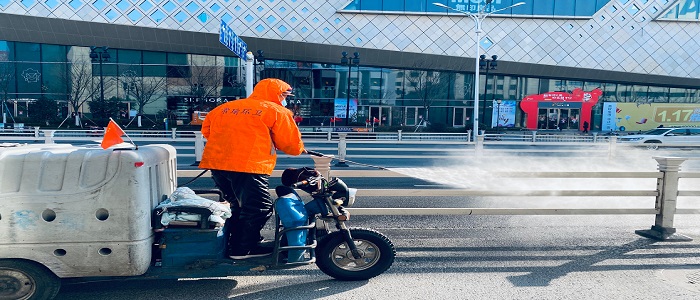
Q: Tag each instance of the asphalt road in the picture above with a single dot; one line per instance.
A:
(470, 257)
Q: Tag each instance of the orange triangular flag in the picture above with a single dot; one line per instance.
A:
(113, 135)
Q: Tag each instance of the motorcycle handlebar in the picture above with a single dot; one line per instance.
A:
(314, 153)
(300, 183)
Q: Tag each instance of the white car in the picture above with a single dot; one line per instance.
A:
(671, 136)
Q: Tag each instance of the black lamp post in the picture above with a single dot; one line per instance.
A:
(100, 55)
(498, 113)
(486, 65)
(349, 61)
(259, 61)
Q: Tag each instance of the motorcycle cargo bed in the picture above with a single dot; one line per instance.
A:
(82, 210)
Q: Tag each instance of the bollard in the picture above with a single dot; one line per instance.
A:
(469, 135)
(173, 134)
(667, 187)
(322, 164)
(342, 150)
(400, 136)
(48, 136)
(534, 136)
(611, 147)
(329, 135)
(198, 147)
(595, 137)
(479, 146)
(36, 132)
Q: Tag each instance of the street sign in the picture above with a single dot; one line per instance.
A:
(232, 41)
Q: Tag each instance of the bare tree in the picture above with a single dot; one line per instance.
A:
(426, 85)
(144, 90)
(7, 77)
(79, 84)
(203, 78)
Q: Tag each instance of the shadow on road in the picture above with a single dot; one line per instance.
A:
(542, 265)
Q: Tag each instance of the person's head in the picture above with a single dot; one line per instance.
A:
(273, 89)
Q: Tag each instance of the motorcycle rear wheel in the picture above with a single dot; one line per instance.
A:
(26, 280)
(333, 256)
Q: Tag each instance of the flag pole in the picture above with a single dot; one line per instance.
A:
(127, 135)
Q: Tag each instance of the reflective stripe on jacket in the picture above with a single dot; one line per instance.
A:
(243, 135)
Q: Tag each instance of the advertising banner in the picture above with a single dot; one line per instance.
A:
(341, 109)
(503, 114)
(609, 116)
(643, 117)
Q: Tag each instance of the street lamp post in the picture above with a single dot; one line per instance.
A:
(486, 65)
(349, 61)
(498, 113)
(259, 61)
(100, 55)
(478, 17)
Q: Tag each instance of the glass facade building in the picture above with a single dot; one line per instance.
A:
(415, 57)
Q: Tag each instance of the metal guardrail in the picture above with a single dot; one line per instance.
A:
(342, 142)
(666, 192)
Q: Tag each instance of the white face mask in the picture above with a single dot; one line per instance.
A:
(284, 103)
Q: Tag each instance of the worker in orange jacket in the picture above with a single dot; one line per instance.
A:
(242, 139)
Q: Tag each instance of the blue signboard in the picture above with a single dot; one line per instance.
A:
(232, 41)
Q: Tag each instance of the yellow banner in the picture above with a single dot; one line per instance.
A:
(635, 117)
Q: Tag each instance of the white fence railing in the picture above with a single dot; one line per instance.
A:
(665, 192)
(342, 142)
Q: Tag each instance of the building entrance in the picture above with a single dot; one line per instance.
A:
(558, 118)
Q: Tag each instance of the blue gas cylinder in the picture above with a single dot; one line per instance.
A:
(292, 213)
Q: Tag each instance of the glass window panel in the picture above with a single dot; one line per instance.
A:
(27, 52)
(393, 5)
(29, 78)
(599, 4)
(590, 85)
(370, 5)
(154, 63)
(128, 57)
(53, 53)
(688, 10)
(430, 7)
(8, 70)
(564, 8)
(574, 84)
(678, 95)
(6, 53)
(525, 9)
(528, 86)
(51, 84)
(638, 94)
(134, 70)
(623, 92)
(177, 59)
(417, 5)
(585, 8)
(658, 94)
(544, 8)
(354, 5)
(609, 93)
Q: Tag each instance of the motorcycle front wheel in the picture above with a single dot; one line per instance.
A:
(333, 256)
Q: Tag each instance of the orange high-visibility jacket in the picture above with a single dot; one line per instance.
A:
(243, 135)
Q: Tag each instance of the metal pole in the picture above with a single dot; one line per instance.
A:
(477, 30)
(102, 82)
(666, 200)
(486, 83)
(347, 106)
(249, 73)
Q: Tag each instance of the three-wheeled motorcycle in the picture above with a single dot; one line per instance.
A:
(80, 213)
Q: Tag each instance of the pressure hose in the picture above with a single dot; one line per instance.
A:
(319, 154)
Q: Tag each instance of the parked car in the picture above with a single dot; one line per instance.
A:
(671, 136)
